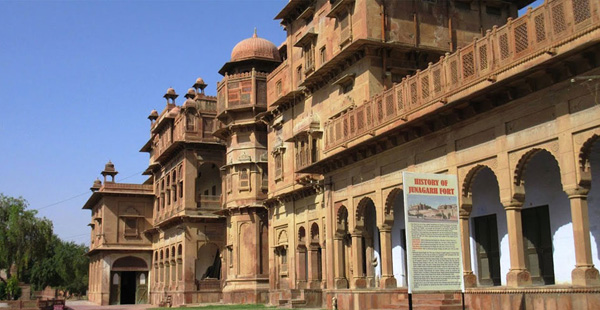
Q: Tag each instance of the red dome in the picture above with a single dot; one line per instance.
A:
(255, 47)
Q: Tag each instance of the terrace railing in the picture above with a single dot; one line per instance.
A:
(501, 49)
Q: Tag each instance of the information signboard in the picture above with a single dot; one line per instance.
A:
(432, 232)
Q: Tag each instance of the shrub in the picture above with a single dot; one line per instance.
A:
(13, 291)
(3, 295)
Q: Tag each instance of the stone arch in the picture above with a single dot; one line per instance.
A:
(161, 255)
(282, 238)
(519, 173)
(545, 216)
(466, 199)
(389, 206)
(467, 187)
(314, 233)
(585, 171)
(360, 211)
(129, 263)
(301, 235)
(173, 252)
(584, 153)
(180, 250)
(342, 219)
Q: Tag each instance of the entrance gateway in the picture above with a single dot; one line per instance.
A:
(129, 281)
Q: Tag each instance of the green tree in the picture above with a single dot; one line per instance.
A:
(65, 266)
(23, 237)
(72, 266)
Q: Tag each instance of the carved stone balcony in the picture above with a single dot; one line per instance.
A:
(540, 34)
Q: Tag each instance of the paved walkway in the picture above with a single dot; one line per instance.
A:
(86, 305)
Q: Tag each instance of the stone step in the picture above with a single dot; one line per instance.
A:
(430, 296)
(297, 303)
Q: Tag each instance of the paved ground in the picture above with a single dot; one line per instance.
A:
(86, 305)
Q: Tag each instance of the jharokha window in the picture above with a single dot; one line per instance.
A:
(306, 150)
(309, 57)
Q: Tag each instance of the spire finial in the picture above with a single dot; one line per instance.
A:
(254, 36)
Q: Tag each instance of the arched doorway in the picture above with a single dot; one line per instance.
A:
(395, 211)
(488, 230)
(366, 224)
(545, 218)
(301, 259)
(593, 199)
(342, 243)
(208, 262)
(315, 257)
(129, 281)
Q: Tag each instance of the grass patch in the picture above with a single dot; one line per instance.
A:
(219, 307)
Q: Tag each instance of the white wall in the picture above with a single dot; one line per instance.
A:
(543, 187)
(594, 204)
(486, 201)
(398, 252)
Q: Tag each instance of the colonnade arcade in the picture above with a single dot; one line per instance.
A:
(530, 226)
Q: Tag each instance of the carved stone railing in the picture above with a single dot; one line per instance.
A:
(140, 188)
(209, 202)
(501, 49)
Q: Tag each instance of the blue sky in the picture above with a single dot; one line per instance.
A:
(79, 78)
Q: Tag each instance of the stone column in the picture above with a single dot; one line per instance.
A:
(470, 279)
(387, 270)
(338, 248)
(301, 267)
(358, 279)
(584, 274)
(369, 256)
(313, 267)
(518, 275)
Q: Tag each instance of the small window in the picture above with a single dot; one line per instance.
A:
(228, 181)
(347, 88)
(283, 256)
(190, 123)
(463, 5)
(131, 227)
(244, 176)
(299, 74)
(265, 179)
(181, 189)
(278, 88)
(278, 158)
(493, 10)
(322, 55)
(309, 57)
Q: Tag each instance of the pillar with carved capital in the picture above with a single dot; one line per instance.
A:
(518, 275)
(584, 274)
(338, 248)
(470, 279)
(387, 275)
(358, 278)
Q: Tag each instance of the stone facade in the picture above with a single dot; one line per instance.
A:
(305, 145)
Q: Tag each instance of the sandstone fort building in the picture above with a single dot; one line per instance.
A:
(286, 188)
